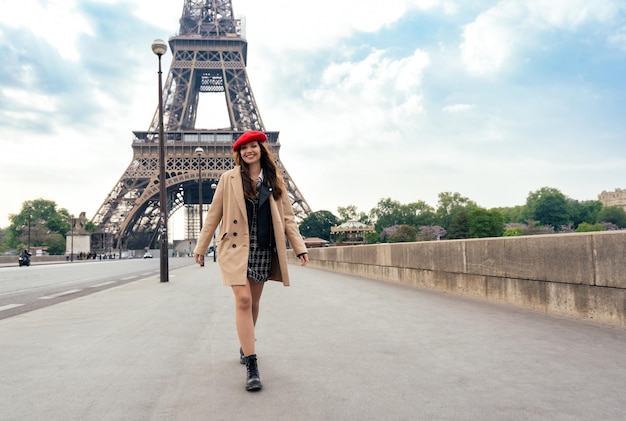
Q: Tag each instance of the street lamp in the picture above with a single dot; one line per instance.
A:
(199, 151)
(159, 47)
(29, 219)
(214, 186)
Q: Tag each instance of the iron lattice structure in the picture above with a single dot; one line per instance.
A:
(209, 55)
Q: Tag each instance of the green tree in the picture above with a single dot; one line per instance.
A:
(90, 226)
(548, 206)
(3, 240)
(586, 211)
(613, 214)
(317, 224)
(40, 222)
(513, 232)
(450, 203)
(587, 227)
(350, 213)
(370, 237)
(386, 214)
(390, 212)
(459, 225)
(418, 214)
(515, 214)
(485, 223)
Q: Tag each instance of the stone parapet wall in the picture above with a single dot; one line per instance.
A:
(574, 275)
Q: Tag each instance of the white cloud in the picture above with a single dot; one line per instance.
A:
(457, 108)
(569, 14)
(377, 92)
(30, 100)
(490, 39)
(305, 26)
(56, 21)
(165, 14)
(618, 38)
(449, 7)
(499, 32)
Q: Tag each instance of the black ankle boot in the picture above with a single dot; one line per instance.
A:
(242, 358)
(254, 381)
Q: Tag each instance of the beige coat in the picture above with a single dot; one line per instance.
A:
(233, 244)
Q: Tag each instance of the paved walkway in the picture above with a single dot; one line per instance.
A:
(331, 347)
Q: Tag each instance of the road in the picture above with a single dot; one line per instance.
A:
(30, 288)
(331, 347)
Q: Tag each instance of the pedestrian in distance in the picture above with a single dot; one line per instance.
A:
(253, 207)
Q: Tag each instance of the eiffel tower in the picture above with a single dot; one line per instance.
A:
(209, 56)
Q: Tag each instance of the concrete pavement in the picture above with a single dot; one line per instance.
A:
(331, 347)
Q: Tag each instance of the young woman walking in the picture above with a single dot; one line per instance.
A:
(253, 207)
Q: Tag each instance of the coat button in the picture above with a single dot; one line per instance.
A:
(235, 221)
(234, 234)
(234, 245)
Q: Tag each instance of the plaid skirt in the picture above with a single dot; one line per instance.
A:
(259, 260)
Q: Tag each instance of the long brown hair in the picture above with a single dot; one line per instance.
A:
(271, 174)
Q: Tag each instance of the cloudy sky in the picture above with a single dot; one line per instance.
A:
(394, 99)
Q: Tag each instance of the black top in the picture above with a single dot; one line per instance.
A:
(265, 232)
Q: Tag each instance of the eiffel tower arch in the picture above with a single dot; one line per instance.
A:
(209, 56)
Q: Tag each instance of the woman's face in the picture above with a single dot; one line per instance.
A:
(250, 153)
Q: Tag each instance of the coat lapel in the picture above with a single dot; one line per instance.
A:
(237, 189)
(264, 193)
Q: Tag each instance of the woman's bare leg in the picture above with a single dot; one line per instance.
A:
(256, 290)
(247, 299)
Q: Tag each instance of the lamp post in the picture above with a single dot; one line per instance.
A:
(29, 219)
(159, 47)
(214, 186)
(199, 151)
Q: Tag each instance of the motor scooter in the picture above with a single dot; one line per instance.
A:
(24, 260)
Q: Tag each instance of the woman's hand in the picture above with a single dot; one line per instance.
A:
(199, 259)
(304, 259)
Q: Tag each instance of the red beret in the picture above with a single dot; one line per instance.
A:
(247, 137)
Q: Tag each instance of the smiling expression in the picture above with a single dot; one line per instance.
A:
(250, 153)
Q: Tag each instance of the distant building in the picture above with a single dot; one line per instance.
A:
(613, 198)
(311, 242)
(351, 232)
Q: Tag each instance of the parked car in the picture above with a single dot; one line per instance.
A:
(147, 255)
